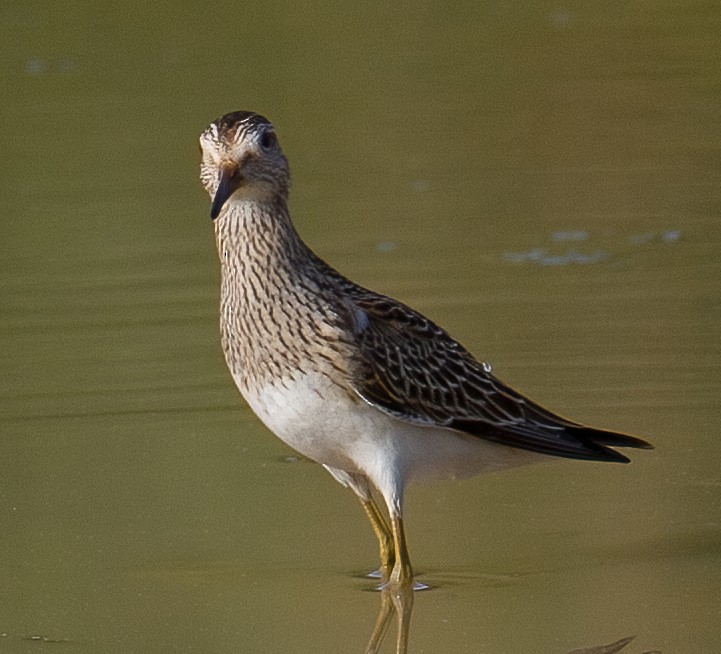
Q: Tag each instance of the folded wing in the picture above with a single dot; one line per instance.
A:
(412, 369)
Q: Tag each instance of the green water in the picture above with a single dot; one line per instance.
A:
(542, 180)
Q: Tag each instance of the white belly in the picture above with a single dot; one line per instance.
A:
(324, 423)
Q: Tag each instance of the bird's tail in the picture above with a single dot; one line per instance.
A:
(597, 443)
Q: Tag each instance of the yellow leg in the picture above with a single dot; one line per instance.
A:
(402, 570)
(384, 535)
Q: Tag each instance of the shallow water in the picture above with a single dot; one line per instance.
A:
(542, 181)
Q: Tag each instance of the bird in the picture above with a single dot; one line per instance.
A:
(354, 380)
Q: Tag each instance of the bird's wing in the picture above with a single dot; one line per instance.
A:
(412, 369)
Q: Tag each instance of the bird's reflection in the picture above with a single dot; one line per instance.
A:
(396, 602)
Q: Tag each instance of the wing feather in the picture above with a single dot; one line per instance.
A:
(412, 369)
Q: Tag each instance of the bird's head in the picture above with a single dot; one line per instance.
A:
(241, 158)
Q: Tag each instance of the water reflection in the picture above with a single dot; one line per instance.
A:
(611, 648)
(399, 603)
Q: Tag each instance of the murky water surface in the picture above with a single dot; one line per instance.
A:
(544, 181)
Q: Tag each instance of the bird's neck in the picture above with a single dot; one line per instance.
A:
(255, 232)
(272, 285)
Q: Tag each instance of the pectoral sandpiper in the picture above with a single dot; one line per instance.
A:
(359, 382)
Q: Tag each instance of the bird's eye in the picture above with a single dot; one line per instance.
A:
(267, 139)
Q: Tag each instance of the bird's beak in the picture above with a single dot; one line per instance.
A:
(230, 179)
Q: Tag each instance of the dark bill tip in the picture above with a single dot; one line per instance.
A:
(216, 207)
(228, 184)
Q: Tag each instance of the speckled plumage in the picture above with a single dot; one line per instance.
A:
(355, 380)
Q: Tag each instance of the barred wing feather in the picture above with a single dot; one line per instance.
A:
(412, 369)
